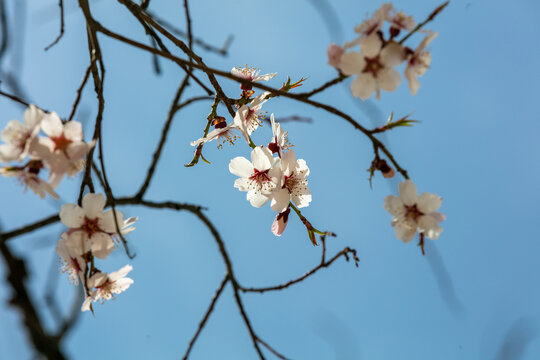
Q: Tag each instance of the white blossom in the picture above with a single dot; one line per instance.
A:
(418, 62)
(248, 117)
(412, 212)
(97, 227)
(334, 52)
(251, 74)
(28, 177)
(368, 28)
(63, 151)
(18, 137)
(293, 184)
(280, 138)
(71, 249)
(106, 285)
(400, 21)
(222, 134)
(374, 66)
(259, 177)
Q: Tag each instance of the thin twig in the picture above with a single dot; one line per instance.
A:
(164, 133)
(207, 314)
(80, 89)
(61, 5)
(345, 253)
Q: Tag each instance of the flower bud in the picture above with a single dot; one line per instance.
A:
(280, 222)
(334, 55)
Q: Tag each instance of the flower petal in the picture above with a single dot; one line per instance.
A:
(93, 205)
(428, 203)
(256, 199)
(363, 86)
(352, 63)
(388, 79)
(240, 166)
(52, 125)
(72, 215)
(261, 158)
(408, 193)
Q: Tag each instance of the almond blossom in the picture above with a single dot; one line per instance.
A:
(259, 177)
(412, 212)
(28, 176)
(280, 138)
(97, 227)
(221, 133)
(293, 184)
(64, 149)
(400, 21)
(248, 117)
(251, 74)
(418, 62)
(71, 249)
(369, 27)
(106, 285)
(18, 136)
(374, 66)
(334, 52)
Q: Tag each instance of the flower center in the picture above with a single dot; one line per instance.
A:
(373, 65)
(90, 226)
(290, 182)
(61, 142)
(260, 177)
(412, 212)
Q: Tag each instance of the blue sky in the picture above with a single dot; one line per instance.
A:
(476, 146)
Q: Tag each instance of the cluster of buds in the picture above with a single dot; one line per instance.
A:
(62, 150)
(380, 52)
(92, 234)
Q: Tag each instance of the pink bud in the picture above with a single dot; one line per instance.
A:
(390, 173)
(280, 222)
(334, 55)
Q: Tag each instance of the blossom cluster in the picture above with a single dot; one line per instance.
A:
(61, 150)
(273, 173)
(91, 235)
(380, 52)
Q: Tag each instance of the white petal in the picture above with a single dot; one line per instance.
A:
(370, 45)
(102, 245)
(408, 193)
(73, 131)
(261, 158)
(32, 116)
(352, 63)
(288, 163)
(302, 198)
(52, 125)
(120, 273)
(363, 86)
(264, 77)
(429, 226)
(256, 199)
(9, 153)
(72, 215)
(404, 233)
(388, 79)
(301, 167)
(240, 166)
(428, 203)
(280, 200)
(106, 221)
(242, 184)
(393, 54)
(393, 205)
(414, 84)
(93, 205)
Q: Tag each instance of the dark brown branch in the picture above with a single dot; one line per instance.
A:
(215, 298)
(271, 349)
(61, 5)
(164, 133)
(14, 98)
(80, 89)
(345, 253)
(323, 87)
(29, 228)
(44, 343)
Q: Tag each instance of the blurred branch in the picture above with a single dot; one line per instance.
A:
(61, 5)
